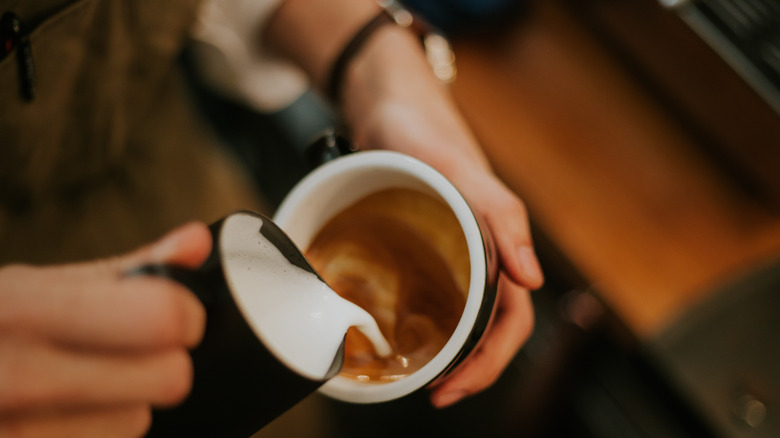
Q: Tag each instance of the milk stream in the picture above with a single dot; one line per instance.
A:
(297, 316)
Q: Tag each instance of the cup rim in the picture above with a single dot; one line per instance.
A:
(351, 390)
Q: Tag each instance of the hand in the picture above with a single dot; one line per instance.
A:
(391, 100)
(513, 321)
(394, 102)
(86, 351)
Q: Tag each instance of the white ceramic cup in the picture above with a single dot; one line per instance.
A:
(339, 183)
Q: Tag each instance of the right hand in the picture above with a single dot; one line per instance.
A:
(87, 351)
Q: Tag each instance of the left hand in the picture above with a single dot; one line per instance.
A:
(391, 100)
(403, 107)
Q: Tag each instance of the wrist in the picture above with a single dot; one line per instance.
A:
(436, 47)
(394, 101)
(389, 71)
(311, 33)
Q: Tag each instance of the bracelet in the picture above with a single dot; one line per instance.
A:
(336, 78)
(437, 48)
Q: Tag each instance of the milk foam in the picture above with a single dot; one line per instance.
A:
(296, 315)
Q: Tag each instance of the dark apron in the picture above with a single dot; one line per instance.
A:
(110, 153)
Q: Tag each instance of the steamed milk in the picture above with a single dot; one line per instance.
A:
(297, 316)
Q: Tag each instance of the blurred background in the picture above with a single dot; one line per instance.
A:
(644, 137)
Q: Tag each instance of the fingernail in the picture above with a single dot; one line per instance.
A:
(530, 265)
(449, 398)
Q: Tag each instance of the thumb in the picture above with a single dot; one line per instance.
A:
(188, 245)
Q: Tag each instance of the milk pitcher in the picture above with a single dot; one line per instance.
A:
(274, 331)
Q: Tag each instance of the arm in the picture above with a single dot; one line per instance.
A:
(392, 100)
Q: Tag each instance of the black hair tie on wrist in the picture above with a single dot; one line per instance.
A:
(437, 49)
(336, 78)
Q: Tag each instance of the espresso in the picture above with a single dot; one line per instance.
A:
(400, 255)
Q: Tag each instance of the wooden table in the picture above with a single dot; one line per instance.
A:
(608, 175)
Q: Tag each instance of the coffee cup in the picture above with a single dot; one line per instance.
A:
(258, 359)
(388, 186)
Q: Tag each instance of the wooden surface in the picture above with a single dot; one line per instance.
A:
(607, 174)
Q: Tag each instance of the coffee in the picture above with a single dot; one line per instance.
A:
(401, 255)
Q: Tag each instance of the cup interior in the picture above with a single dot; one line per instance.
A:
(340, 183)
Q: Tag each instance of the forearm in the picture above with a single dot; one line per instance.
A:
(390, 96)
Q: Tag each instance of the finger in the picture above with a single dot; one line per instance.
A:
(507, 220)
(94, 305)
(511, 327)
(118, 421)
(188, 245)
(74, 306)
(36, 376)
(515, 250)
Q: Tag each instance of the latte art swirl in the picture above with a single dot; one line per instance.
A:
(402, 256)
